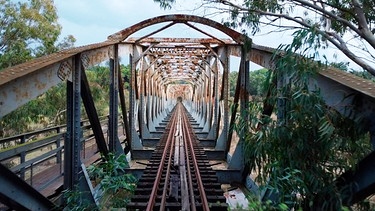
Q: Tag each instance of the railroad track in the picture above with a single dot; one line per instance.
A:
(178, 176)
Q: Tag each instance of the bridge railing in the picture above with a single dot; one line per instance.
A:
(37, 157)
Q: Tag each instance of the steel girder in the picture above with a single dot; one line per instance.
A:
(92, 114)
(74, 170)
(72, 146)
(166, 63)
(162, 62)
(223, 137)
(114, 144)
(242, 95)
(18, 195)
(357, 184)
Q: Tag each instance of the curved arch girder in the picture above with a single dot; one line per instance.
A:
(178, 18)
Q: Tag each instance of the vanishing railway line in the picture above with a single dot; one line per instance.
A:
(178, 176)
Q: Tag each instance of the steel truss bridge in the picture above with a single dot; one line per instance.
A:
(164, 71)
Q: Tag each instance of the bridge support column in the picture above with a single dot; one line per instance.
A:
(202, 103)
(135, 141)
(223, 138)
(208, 99)
(145, 133)
(72, 146)
(114, 143)
(237, 160)
(215, 105)
(124, 113)
(73, 175)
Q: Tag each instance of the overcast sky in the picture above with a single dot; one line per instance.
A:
(91, 21)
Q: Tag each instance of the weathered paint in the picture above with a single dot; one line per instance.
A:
(95, 56)
(158, 67)
(23, 89)
(178, 18)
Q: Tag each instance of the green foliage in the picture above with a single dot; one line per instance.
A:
(250, 12)
(99, 79)
(340, 65)
(345, 67)
(75, 201)
(299, 156)
(165, 4)
(257, 82)
(257, 205)
(342, 23)
(114, 180)
(46, 110)
(27, 30)
(232, 83)
(258, 79)
(49, 108)
(115, 183)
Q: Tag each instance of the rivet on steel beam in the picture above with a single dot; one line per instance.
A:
(85, 60)
(110, 52)
(65, 70)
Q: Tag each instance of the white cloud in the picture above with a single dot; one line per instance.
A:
(91, 21)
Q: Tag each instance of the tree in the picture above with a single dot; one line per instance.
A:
(27, 30)
(257, 80)
(299, 156)
(349, 25)
(232, 83)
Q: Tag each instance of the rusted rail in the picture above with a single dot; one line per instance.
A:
(179, 173)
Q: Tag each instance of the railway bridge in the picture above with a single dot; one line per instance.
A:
(164, 72)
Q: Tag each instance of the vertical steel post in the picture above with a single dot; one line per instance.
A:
(223, 139)
(135, 141)
(237, 160)
(124, 111)
(22, 158)
(209, 99)
(92, 114)
(114, 144)
(215, 101)
(145, 133)
(72, 146)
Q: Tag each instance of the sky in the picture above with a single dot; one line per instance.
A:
(92, 21)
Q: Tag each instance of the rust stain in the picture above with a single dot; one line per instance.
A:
(41, 86)
(4, 94)
(178, 18)
(35, 65)
(175, 58)
(20, 93)
(257, 58)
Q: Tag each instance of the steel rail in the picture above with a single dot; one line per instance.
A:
(189, 141)
(186, 160)
(151, 201)
(188, 167)
(171, 148)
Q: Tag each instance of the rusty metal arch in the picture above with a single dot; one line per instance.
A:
(178, 18)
